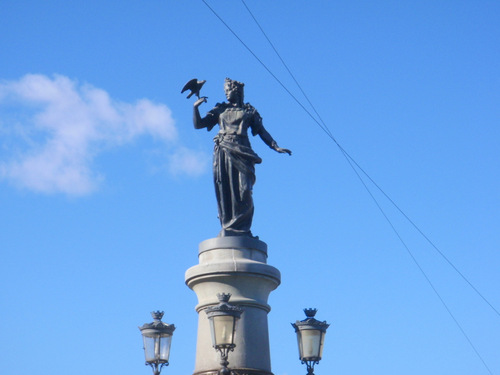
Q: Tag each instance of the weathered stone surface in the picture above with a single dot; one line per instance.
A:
(235, 265)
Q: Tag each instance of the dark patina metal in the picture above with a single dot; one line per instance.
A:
(234, 160)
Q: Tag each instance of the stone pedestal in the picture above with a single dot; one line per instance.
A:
(235, 265)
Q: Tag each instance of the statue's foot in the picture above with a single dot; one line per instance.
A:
(236, 233)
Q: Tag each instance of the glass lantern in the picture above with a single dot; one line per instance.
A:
(310, 339)
(157, 338)
(222, 319)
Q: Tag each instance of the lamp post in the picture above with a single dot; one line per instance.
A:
(310, 339)
(222, 318)
(157, 337)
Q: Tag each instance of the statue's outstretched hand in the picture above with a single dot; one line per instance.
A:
(283, 150)
(197, 103)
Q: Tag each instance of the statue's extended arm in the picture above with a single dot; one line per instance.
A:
(268, 140)
(198, 121)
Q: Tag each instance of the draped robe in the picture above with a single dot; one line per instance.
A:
(234, 165)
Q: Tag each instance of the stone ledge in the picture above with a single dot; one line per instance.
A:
(233, 242)
(228, 268)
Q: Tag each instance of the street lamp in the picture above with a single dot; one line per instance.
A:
(157, 337)
(222, 320)
(310, 338)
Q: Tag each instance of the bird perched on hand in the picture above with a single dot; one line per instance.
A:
(195, 86)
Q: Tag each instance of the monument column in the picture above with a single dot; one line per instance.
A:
(235, 262)
(236, 265)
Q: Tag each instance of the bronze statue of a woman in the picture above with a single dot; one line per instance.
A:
(234, 160)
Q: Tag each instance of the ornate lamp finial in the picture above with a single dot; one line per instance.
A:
(223, 297)
(157, 315)
(310, 313)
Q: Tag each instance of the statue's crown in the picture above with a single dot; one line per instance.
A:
(232, 82)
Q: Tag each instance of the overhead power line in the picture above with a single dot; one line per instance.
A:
(329, 133)
(353, 164)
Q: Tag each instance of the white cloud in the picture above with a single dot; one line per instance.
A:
(186, 161)
(53, 128)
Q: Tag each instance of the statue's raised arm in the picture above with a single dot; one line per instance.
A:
(234, 160)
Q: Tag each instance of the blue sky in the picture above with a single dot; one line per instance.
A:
(106, 187)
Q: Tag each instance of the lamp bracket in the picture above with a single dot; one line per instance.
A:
(157, 366)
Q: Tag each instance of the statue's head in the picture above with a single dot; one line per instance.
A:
(234, 91)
